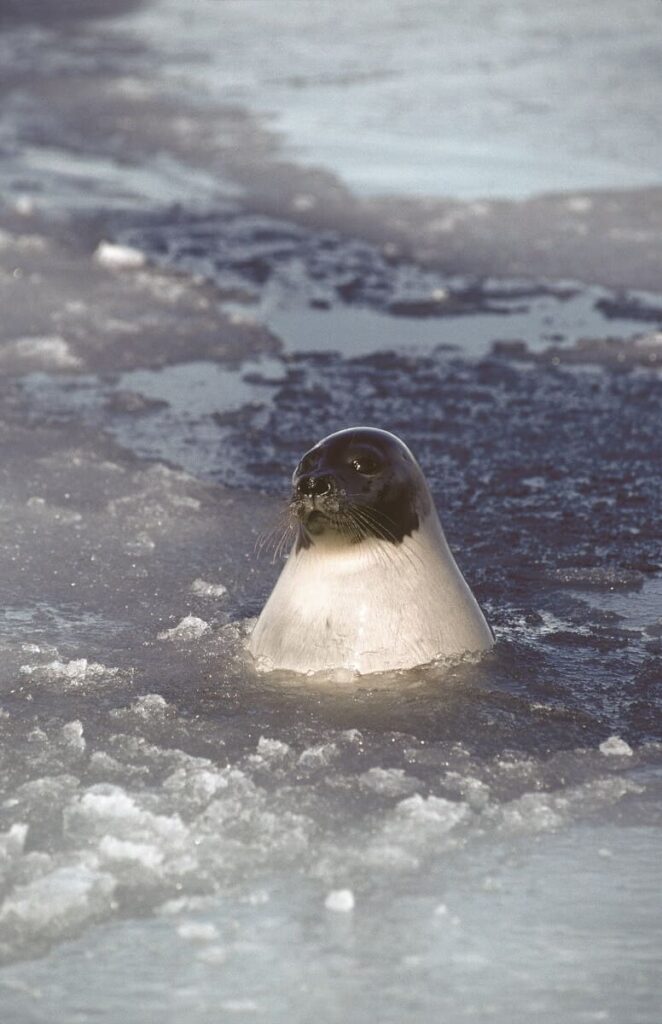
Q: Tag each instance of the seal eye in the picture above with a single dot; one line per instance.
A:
(366, 465)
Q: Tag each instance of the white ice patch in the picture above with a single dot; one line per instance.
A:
(151, 705)
(615, 746)
(197, 931)
(113, 850)
(340, 900)
(189, 628)
(72, 733)
(318, 756)
(44, 352)
(272, 750)
(201, 588)
(73, 673)
(11, 845)
(119, 257)
(388, 782)
(56, 903)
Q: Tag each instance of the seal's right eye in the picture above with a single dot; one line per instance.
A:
(366, 464)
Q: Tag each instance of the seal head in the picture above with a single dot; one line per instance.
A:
(356, 484)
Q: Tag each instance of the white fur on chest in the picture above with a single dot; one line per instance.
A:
(369, 607)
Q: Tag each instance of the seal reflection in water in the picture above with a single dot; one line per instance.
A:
(370, 584)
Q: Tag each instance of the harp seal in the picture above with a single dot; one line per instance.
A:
(370, 584)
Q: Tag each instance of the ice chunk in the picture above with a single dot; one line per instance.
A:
(196, 784)
(152, 705)
(340, 900)
(51, 906)
(388, 782)
(615, 746)
(197, 931)
(318, 756)
(12, 843)
(432, 812)
(204, 589)
(121, 257)
(352, 736)
(272, 750)
(72, 734)
(106, 809)
(189, 628)
(145, 854)
(47, 352)
(74, 673)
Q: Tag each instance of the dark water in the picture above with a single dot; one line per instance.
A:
(178, 836)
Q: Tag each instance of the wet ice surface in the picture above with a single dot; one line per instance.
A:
(272, 268)
(181, 838)
(191, 839)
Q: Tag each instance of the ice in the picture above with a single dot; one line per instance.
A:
(55, 904)
(11, 844)
(112, 850)
(151, 705)
(204, 589)
(614, 746)
(50, 352)
(197, 931)
(73, 736)
(174, 825)
(189, 628)
(122, 257)
(271, 749)
(318, 756)
(340, 901)
(73, 674)
(389, 781)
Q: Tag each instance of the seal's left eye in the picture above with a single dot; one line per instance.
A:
(366, 465)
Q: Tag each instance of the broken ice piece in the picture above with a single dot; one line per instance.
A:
(189, 628)
(340, 900)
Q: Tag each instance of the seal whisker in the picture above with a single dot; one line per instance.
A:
(276, 539)
(377, 527)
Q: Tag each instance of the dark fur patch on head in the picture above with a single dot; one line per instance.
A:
(361, 483)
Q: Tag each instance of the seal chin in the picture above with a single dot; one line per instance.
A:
(315, 522)
(318, 513)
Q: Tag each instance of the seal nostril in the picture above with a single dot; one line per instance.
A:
(314, 486)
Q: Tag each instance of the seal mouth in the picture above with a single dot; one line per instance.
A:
(317, 512)
(334, 513)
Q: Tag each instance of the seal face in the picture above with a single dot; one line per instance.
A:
(370, 584)
(358, 483)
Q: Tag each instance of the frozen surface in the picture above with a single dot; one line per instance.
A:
(434, 97)
(180, 838)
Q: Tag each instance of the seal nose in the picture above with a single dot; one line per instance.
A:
(312, 486)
